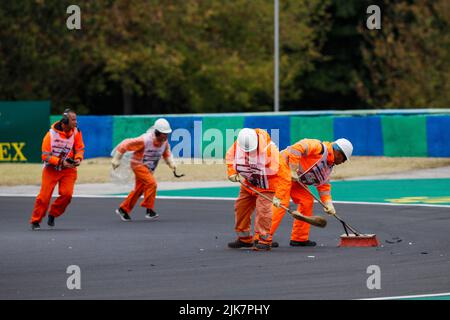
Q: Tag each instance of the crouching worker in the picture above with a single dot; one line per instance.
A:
(147, 151)
(311, 163)
(254, 160)
(62, 153)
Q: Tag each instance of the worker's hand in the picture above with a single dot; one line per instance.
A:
(234, 177)
(77, 162)
(329, 208)
(294, 173)
(276, 202)
(171, 163)
(115, 162)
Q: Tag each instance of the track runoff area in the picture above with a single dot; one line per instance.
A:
(92, 254)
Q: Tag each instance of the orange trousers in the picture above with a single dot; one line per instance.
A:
(305, 202)
(50, 177)
(145, 184)
(244, 207)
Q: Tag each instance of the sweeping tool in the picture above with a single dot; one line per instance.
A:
(177, 175)
(357, 239)
(313, 220)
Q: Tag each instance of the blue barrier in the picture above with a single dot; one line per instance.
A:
(282, 123)
(97, 135)
(363, 132)
(371, 135)
(438, 136)
(179, 140)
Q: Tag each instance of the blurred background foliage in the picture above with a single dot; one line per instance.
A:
(187, 56)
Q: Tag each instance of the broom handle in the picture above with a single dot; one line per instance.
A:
(315, 221)
(345, 224)
(264, 196)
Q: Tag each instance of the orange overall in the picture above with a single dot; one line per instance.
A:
(301, 157)
(56, 147)
(146, 154)
(268, 175)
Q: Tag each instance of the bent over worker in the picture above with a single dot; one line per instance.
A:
(147, 151)
(62, 153)
(255, 161)
(311, 163)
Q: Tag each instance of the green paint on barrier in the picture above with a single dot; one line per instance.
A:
(54, 118)
(312, 127)
(130, 127)
(416, 191)
(404, 136)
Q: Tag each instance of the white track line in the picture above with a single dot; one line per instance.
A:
(412, 297)
(233, 199)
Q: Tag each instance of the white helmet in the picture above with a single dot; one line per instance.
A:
(346, 147)
(162, 125)
(247, 140)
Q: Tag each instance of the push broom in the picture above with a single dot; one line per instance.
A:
(357, 239)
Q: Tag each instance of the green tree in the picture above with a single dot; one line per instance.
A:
(158, 56)
(408, 59)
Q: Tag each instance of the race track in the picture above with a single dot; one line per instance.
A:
(184, 254)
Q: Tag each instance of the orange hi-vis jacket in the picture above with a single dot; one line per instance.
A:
(146, 150)
(262, 169)
(313, 161)
(58, 146)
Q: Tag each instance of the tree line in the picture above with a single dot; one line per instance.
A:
(188, 56)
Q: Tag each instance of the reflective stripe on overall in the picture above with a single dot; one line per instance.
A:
(152, 154)
(319, 173)
(61, 147)
(253, 167)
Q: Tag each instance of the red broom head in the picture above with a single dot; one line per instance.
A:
(362, 240)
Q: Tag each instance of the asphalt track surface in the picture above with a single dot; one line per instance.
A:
(184, 254)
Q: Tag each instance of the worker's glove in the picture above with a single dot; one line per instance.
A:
(294, 174)
(171, 163)
(276, 202)
(329, 208)
(234, 177)
(115, 162)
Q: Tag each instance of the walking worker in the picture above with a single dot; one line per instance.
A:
(311, 163)
(62, 153)
(254, 160)
(147, 151)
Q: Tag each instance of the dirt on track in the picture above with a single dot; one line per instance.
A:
(98, 170)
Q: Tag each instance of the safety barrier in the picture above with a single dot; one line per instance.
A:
(393, 133)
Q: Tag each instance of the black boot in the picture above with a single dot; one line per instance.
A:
(262, 247)
(51, 221)
(151, 214)
(239, 244)
(274, 244)
(35, 226)
(123, 215)
(306, 243)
